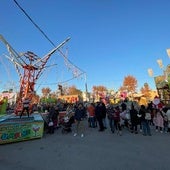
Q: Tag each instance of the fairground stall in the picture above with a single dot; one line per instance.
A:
(163, 89)
(14, 129)
(29, 67)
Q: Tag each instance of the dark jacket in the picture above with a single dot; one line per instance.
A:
(80, 113)
(142, 112)
(133, 115)
(100, 110)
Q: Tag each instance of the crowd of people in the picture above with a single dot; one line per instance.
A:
(116, 118)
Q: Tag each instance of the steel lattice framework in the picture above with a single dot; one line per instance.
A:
(29, 68)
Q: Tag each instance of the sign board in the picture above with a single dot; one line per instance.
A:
(15, 131)
(69, 98)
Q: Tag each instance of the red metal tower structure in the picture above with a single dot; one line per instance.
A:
(29, 68)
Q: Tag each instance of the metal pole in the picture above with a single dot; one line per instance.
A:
(85, 78)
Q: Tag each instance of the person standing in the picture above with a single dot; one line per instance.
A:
(80, 114)
(117, 120)
(159, 121)
(134, 119)
(50, 118)
(100, 112)
(26, 104)
(91, 114)
(144, 121)
(110, 114)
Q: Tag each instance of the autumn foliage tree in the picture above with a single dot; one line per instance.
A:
(129, 84)
(48, 96)
(35, 98)
(46, 91)
(145, 90)
(72, 90)
(99, 91)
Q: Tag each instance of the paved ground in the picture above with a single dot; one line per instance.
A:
(96, 151)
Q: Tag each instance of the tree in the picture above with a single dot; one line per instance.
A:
(72, 90)
(145, 90)
(129, 84)
(99, 88)
(99, 91)
(35, 98)
(46, 91)
(53, 95)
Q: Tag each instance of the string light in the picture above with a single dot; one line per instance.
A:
(68, 63)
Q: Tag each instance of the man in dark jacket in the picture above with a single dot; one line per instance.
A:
(100, 112)
(134, 119)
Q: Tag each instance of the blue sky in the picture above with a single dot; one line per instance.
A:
(109, 39)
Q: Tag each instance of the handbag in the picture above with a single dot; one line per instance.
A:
(148, 116)
(51, 123)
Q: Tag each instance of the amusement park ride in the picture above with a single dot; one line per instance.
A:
(29, 68)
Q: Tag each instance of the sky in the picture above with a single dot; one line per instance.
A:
(110, 39)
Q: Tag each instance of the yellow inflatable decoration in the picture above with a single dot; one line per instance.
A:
(3, 106)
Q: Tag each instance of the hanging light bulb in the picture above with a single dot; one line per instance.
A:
(168, 52)
(159, 61)
(165, 76)
(150, 72)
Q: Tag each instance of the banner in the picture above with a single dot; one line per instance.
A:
(20, 131)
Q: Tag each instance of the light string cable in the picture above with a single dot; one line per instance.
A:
(45, 35)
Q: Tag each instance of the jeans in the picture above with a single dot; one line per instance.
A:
(92, 122)
(104, 122)
(79, 127)
(146, 128)
(134, 127)
(100, 121)
(117, 125)
(112, 126)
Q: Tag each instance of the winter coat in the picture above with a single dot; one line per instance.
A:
(100, 110)
(133, 116)
(158, 120)
(80, 114)
(168, 115)
(91, 110)
(117, 116)
(142, 112)
(110, 112)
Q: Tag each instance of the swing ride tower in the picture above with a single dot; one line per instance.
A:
(29, 68)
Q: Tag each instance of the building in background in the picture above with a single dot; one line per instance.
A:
(11, 97)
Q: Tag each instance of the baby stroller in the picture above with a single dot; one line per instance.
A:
(67, 122)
